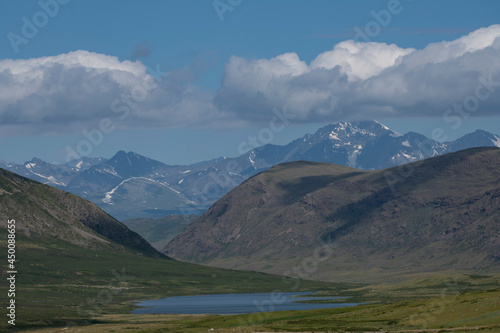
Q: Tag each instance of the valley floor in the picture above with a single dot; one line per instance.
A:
(477, 311)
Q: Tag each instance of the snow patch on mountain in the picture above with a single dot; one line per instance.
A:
(382, 125)
(108, 196)
(356, 130)
(349, 130)
(410, 157)
(352, 157)
(496, 141)
(51, 179)
(251, 159)
(333, 136)
(108, 170)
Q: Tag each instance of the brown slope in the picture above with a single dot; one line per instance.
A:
(46, 212)
(335, 222)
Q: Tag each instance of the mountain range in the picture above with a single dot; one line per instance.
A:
(331, 222)
(129, 185)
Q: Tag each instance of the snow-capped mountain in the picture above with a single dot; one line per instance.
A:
(84, 163)
(365, 145)
(478, 138)
(110, 173)
(58, 175)
(130, 185)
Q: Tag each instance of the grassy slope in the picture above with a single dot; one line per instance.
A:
(49, 213)
(58, 282)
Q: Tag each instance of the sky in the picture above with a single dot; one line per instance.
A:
(183, 81)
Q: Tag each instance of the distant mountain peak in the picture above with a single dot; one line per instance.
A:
(37, 160)
(361, 127)
(480, 131)
(382, 125)
(121, 154)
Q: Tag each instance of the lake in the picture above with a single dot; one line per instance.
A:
(234, 304)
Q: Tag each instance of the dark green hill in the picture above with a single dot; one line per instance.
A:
(45, 212)
(440, 214)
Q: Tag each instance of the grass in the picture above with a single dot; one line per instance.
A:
(478, 311)
(62, 287)
(59, 283)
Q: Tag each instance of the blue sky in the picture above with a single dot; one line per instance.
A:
(206, 106)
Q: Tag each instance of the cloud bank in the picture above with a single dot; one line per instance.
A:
(68, 92)
(367, 80)
(74, 91)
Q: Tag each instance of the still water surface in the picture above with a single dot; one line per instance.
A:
(234, 304)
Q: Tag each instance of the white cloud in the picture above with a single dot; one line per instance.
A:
(360, 61)
(73, 91)
(369, 80)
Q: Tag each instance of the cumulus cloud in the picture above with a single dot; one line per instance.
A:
(369, 80)
(74, 91)
(68, 92)
(360, 61)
